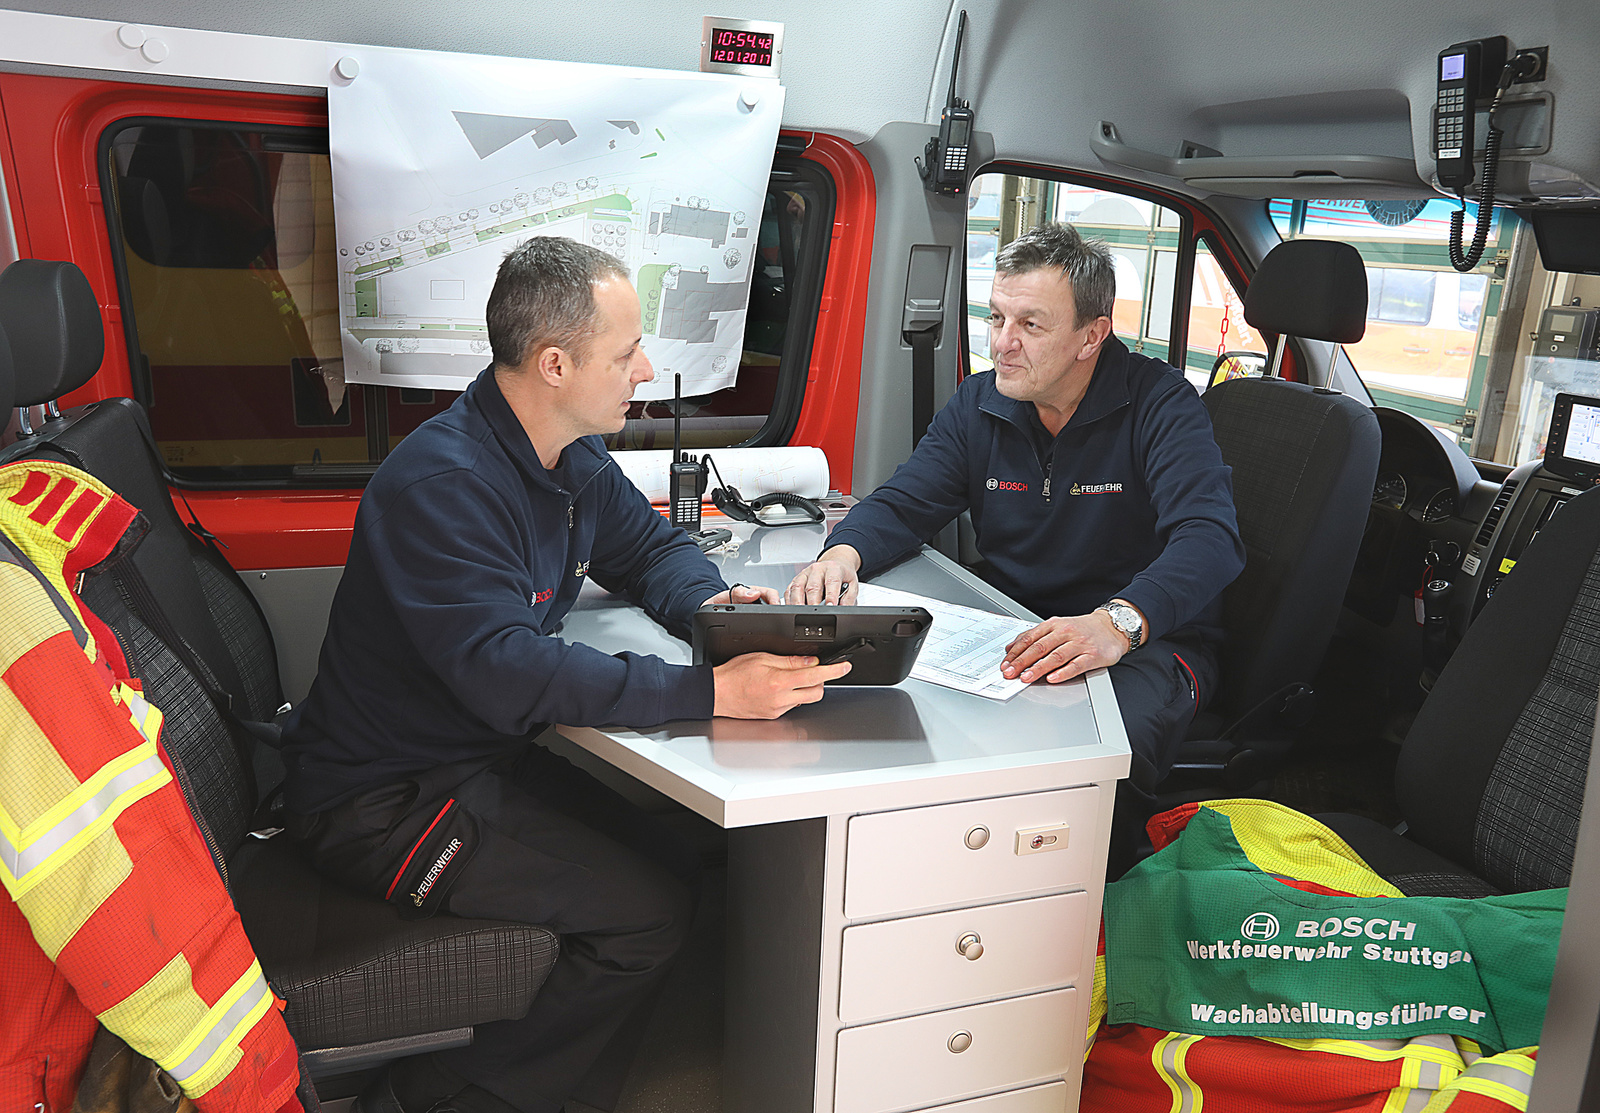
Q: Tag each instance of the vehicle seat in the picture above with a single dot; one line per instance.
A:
(1491, 775)
(361, 984)
(1304, 460)
(57, 341)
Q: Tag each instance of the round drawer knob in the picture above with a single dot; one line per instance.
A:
(970, 947)
(960, 1042)
(977, 838)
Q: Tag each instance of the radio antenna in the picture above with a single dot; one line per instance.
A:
(677, 418)
(955, 60)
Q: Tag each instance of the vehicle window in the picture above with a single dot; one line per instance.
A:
(223, 237)
(1216, 319)
(1473, 354)
(1144, 238)
(1401, 297)
(1430, 329)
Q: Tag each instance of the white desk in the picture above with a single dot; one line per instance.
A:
(870, 836)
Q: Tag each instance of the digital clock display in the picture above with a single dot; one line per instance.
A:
(741, 48)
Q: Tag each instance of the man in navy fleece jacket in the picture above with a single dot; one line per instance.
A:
(1097, 493)
(412, 774)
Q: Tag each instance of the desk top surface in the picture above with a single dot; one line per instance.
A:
(859, 749)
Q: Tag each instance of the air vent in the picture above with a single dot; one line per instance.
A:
(1501, 501)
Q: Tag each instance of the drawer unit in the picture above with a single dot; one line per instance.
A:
(950, 958)
(942, 1057)
(1035, 1099)
(921, 858)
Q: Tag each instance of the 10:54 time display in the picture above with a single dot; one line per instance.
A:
(748, 48)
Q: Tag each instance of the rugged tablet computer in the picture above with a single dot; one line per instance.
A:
(881, 643)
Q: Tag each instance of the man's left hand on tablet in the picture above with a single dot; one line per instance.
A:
(832, 579)
(739, 593)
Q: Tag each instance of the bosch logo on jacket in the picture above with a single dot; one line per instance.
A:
(1005, 485)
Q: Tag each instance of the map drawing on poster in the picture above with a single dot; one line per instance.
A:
(442, 163)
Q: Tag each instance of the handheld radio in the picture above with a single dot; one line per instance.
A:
(687, 479)
(945, 169)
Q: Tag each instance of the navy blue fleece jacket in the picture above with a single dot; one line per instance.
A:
(467, 554)
(1130, 500)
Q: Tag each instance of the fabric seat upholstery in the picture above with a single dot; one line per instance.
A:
(354, 972)
(1304, 460)
(1492, 773)
(351, 970)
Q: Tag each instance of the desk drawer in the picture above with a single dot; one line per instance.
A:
(913, 965)
(920, 858)
(1035, 1099)
(911, 1063)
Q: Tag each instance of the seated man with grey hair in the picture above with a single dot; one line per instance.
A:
(1098, 494)
(412, 773)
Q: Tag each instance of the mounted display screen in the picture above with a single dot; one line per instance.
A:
(1573, 447)
(743, 48)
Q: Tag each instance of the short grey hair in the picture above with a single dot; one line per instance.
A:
(1087, 264)
(543, 297)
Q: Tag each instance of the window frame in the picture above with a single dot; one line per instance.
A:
(1196, 223)
(805, 302)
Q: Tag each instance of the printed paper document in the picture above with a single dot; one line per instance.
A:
(965, 647)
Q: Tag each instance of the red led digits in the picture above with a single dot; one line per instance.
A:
(748, 48)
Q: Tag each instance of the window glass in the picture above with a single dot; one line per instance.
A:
(1401, 297)
(785, 290)
(1555, 349)
(1216, 319)
(1430, 329)
(1142, 235)
(224, 244)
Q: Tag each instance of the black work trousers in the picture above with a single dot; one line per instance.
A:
(1160, 687)
(554, 847)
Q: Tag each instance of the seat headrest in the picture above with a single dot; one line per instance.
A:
(1316, 289)
(8, 381)
(58, 338)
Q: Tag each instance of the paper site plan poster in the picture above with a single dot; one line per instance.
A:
(442, 163)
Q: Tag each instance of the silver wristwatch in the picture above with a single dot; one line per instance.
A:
(1126, 620)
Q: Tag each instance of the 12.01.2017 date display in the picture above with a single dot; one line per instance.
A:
(748, 48)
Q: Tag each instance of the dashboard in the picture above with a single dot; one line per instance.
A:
(1421, 471)
(1427, 493)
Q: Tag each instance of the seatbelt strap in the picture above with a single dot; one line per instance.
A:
(922, 345)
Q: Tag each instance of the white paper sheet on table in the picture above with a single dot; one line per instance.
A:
(965, 647)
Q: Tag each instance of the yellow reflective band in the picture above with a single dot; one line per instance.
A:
(1168, 1058)
(63, 902)
(1356, 1050)
(27, 856)
(206, 1057)
(145, 716)
(1484, 1087)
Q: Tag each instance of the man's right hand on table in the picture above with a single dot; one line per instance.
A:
(832, 579)
(764, 685)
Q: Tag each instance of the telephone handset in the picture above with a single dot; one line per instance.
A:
(1471, 73)
(1465, 69)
